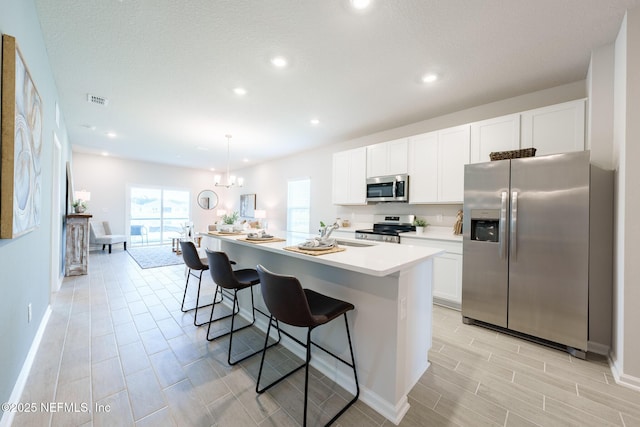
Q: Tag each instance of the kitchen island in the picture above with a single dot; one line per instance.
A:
(390, 286)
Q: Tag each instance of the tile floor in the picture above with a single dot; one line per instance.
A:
(118, 340)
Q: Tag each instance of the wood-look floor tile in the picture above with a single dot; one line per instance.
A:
(207, 383)
(103, 347)
(485, 407)
(107, 378)
(186, 407)
(441, 359)
(145, 393)
(459, 414)
(167, 368)
(76, 394)
(126, 333)
(577, 417)
(227, 411)
(185, 350)
(280, 418)
(75, 364)
(259, 406)
(624, 406)
(153, 341)
(419, 416)
(161, 418)
(133, 358)
(425, 395)
(113, 411)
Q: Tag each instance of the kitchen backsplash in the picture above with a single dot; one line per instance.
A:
(436, 215)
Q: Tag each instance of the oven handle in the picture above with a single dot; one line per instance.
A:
(395, 186)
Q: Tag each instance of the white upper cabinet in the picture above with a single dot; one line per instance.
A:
(423, 168)
(436, 165)
(554, 129)
(387, 158)
(497, 134)
(349, 177)
(453, 154)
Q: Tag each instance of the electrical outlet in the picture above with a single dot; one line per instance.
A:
(29, 313)
(439, 218)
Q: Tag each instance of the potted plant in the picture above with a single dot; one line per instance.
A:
(228, 221)
(79, 206)
(420, 225)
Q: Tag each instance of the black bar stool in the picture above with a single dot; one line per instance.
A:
(289, 303)
(233, 280)
(194, 264)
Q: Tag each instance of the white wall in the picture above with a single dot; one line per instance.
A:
(107, 178)
(625, 354)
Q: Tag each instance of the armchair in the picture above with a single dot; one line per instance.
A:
(101, 234)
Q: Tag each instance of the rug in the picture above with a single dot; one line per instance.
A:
(155, 256)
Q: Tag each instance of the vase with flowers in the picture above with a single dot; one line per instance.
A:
(79, 206)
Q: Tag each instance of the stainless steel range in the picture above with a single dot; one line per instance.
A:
(387, 228)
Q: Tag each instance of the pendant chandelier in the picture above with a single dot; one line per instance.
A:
(231, 179)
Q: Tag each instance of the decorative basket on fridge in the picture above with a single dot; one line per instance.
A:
(513, 154)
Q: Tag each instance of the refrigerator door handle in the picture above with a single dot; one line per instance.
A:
(502, 247)
(514, 226)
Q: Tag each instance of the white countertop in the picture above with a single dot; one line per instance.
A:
(435, 233)
(378, 259)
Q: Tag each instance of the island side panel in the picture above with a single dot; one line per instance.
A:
(414, 327)
(374, 323)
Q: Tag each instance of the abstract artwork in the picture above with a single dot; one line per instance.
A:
(247, 205)
(21, 139)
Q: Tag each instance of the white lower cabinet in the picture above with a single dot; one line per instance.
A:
(447, 270)
(447, 279)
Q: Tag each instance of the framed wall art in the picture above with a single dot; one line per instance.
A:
(21, 141)
(247, 205)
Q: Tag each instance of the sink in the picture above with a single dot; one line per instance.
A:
(354, 244)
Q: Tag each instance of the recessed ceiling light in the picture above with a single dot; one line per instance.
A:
(429, 78)
(104, 153)
(245, 160)
(314, 122)
(360, 4)
(240, 91)
(279, 61)
(111, 134)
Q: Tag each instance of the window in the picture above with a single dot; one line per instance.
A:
(161, 213)
(298, 205)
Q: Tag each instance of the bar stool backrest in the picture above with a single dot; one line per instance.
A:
(285, 298)
(221, 270)
(190, 255)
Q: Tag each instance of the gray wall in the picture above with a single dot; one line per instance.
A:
(25, 261)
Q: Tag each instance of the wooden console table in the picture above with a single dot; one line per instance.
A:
(76, 256)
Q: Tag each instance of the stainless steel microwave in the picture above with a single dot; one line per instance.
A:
(392, 188)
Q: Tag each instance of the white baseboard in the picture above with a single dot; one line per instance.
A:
(623, 379)
(18, 388)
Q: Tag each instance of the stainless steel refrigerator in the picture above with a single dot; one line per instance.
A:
(537, 249)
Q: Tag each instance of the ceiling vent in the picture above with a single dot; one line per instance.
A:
(98, 100)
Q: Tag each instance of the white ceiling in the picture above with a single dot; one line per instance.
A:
(169, 67)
